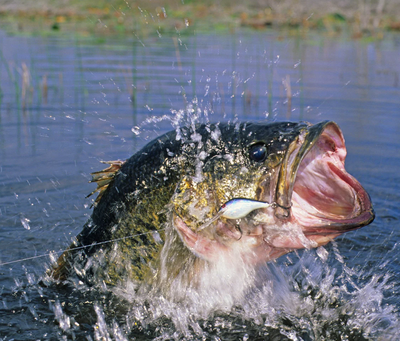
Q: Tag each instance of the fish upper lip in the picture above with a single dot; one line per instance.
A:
(329, 142)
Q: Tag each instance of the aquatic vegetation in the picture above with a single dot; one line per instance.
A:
(165, 17)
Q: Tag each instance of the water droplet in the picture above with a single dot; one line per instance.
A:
(87, 141)
(157, 237)
(25, 223)
(53, 257)
(136, 130)
(322, 253)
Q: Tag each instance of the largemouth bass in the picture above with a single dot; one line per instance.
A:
(249, 191)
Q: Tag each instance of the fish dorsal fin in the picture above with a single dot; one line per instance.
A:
(104, 177)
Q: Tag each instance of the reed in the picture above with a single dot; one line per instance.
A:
(26, 88)
(44, 87)
(11, 75)
(288, 88)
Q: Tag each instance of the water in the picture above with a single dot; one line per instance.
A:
(76, 102)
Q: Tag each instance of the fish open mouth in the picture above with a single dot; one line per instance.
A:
(325, 199)
(314, 201)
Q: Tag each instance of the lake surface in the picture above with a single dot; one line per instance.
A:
(65, 105)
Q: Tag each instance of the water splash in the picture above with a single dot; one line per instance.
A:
(301, 297)
(62, 318)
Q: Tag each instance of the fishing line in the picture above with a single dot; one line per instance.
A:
(78, 247)
(233, 209)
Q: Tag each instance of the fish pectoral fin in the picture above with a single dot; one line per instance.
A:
(104, 177)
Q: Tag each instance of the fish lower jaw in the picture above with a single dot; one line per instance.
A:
(252, 244)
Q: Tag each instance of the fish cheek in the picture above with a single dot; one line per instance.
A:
(201, 245)
(194, 201)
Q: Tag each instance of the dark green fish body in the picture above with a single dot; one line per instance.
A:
(148, 222)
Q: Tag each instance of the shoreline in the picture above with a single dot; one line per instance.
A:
(88, 18)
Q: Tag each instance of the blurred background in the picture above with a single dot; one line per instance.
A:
(122, 17)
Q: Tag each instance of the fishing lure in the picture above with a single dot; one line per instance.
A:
(236, 208)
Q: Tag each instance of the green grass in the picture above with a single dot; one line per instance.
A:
(126, 17)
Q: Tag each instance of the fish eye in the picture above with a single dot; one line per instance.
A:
(258, 152)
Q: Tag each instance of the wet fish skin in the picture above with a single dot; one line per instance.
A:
(143, 187)
(161, 182)
(157, 168)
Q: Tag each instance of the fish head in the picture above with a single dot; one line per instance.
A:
(296, 167)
